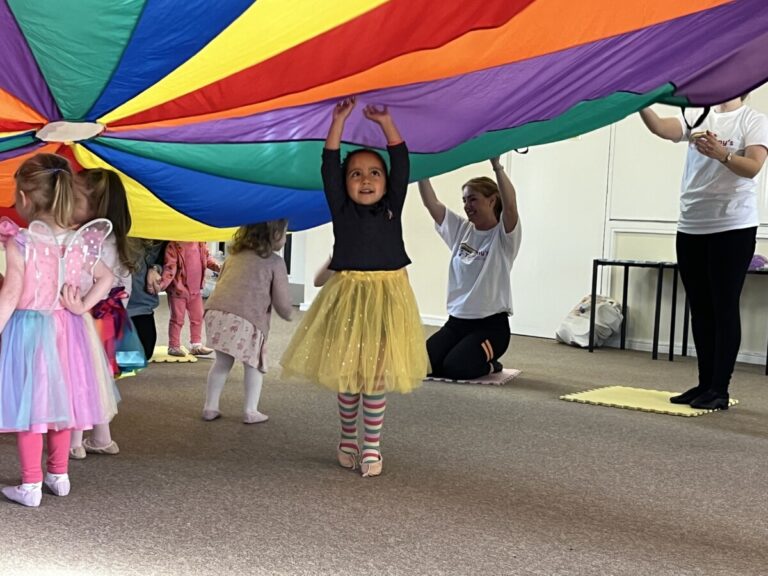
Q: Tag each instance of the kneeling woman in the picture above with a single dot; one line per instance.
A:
(483, 247)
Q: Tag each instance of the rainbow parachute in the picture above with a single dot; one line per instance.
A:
(215, 112)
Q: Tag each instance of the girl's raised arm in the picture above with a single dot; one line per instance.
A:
(341, 112)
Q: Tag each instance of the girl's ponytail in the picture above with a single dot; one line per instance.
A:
(108, 199)
(63, 197)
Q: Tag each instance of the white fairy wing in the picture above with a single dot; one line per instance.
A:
(43, 262)
(83, 251)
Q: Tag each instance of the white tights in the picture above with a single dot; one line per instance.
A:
(101, 436)
(217, 377)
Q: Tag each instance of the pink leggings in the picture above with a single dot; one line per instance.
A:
(30, 446)
(193, 304)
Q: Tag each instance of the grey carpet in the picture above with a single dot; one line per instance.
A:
(477, 480)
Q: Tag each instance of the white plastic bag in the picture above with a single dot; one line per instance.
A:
(575, 327)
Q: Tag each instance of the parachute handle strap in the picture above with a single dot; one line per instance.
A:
(699, 121)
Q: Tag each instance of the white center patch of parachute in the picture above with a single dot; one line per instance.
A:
(63, 131)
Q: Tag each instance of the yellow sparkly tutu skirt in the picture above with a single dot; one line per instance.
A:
(363, 334)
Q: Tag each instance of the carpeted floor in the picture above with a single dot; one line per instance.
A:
(477, 480)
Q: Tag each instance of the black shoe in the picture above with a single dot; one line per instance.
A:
(497, 367)
(687, 396)
(711, 400)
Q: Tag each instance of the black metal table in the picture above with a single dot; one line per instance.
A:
(597, 263)
(660, 267)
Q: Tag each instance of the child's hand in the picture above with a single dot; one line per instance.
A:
(343, 109)
(70, 297)
(153, 281)
(378, 115)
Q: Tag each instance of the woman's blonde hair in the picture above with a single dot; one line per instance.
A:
(46, 181)
(488, 188)
(107, 198)
(261, 237)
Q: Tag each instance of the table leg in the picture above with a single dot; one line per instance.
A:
(624, 308)
(592, 307)
(673, 313)
(766, 363)
(657, 317)
(686, 320)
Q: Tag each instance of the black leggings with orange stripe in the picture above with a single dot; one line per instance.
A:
(463, 349)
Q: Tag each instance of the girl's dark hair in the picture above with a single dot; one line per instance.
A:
(46, 181)
(488, 188)
(107, 199)
(352, 153)
(383, 204)
(259, 237)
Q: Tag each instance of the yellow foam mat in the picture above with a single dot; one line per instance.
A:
(498, 379)
(637, 399)
(161, 355)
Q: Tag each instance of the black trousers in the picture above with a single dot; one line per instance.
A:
(713, 268)
(463, 349)
(147, 332)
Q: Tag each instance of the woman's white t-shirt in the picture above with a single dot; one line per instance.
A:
(479, 283)
(714, 199)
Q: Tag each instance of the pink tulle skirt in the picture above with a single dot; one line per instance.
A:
(54, 373)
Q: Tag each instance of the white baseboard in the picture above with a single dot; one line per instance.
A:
(746, 356)
(430, 320)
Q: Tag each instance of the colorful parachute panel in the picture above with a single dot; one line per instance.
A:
(215, 116)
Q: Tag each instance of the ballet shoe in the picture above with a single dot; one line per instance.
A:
(370, 469)
(58, 484)
(77, 453)
(347, 460)
(25, 497)
(254, 417)
(200, 350)
(110, 449)
(209, 415)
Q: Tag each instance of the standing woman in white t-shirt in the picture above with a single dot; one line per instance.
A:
(716, 233)
(483, 247)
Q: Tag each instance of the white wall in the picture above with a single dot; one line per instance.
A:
(612, 193)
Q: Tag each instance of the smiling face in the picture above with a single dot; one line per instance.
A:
(479, 209)
(366, 178)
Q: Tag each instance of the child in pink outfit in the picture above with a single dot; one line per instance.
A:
(54, 374)
(183, 280)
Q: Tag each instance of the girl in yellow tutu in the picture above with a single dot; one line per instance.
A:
(362, 337)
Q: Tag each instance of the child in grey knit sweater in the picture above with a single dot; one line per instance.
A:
(253, 282)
